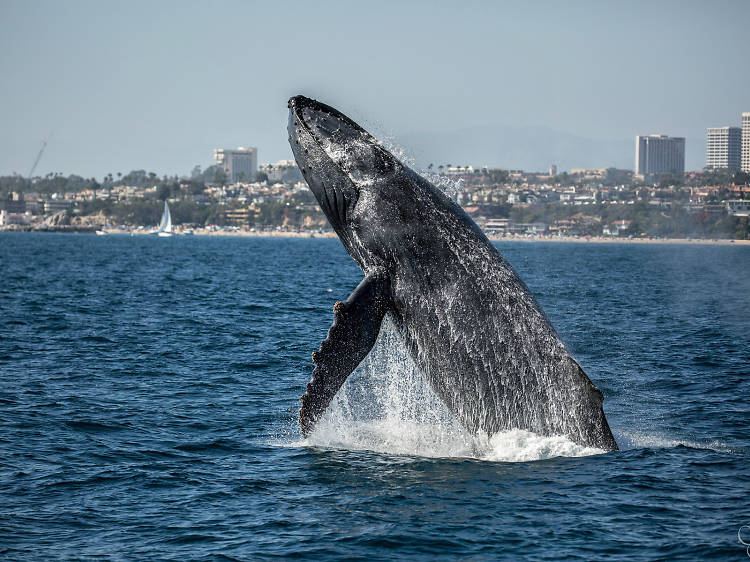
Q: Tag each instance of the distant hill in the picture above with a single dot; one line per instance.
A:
(528, 148)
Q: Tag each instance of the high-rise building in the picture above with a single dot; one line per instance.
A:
(659, 154)
(723, 147)
(745, 159)
(240, 164)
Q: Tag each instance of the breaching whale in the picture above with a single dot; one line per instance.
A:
(472, 326)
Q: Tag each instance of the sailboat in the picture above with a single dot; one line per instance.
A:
(165, 226)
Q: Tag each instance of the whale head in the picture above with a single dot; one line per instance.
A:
(353, 177)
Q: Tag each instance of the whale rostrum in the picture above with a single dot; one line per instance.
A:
(473, 328)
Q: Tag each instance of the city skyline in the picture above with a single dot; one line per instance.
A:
(120, 87)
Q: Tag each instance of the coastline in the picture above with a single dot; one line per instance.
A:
(305, 234)
(524, 239)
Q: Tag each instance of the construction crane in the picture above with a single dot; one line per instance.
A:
(38, 157)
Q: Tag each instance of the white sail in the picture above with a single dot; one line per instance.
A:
(166, 220)
(165, 226)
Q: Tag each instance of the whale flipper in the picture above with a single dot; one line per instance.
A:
(356, 323)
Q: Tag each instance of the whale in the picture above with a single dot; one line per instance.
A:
(476, 333)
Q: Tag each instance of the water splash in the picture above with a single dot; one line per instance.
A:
(388, 141)
(452, 186)
(386, 406)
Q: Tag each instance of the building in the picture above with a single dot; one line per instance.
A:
(7, 218)
(14, 204)
(723, 148)
(238, 216)
(240, 164)
(738, 207)
(282, 171)
(55, 205)
(657, 155)
(617, 228)
(745, 156)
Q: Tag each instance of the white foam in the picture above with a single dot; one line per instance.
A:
(515, 445)
(518, 445)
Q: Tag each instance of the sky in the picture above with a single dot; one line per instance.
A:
(157, 85)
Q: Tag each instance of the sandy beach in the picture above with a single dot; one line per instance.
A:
(525, 239)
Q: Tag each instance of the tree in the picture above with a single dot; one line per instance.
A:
(498, 176)
(220, 176)
(163, 192)
(613, 176)
(196, 187)
(671, 179)
(564, 179)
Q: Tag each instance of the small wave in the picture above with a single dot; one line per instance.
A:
(642, 440)
(208, 446)
(93, 426)
(97, 339)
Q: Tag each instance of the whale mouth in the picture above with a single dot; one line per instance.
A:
(324, 122)
(352, 149)
(322, 139)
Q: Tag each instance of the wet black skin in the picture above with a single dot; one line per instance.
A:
(473, 328)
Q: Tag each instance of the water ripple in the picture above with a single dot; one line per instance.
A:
(150, 391)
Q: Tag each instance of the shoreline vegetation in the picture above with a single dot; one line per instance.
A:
(280, 233)
(592, 205)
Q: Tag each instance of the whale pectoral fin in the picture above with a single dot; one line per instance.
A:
(356, 323)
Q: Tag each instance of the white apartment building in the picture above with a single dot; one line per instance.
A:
(745, 157)
(239, 164)
(659, 154)
(723, 147)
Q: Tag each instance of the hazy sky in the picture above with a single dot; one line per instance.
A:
(158, 85)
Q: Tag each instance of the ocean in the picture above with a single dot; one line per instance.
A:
(151, 386)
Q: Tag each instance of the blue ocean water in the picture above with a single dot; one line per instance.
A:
(150, 389)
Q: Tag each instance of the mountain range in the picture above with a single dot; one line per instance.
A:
(528, 148)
